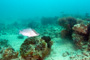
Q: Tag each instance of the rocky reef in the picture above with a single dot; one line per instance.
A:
(67, 23)
(8, 54)
(77, 30)
(6, 51)
(35, 48)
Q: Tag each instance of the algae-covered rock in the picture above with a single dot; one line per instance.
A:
(81, 35)
(67, 22)
(47, 40)
(78, 39)
(81, 28)
(34, 48)
(9, 54)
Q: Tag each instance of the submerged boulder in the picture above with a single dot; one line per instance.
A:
(8, 54)
(80, 28)
(34, 48)
(67, 22)
(81, 35)
(78, 39)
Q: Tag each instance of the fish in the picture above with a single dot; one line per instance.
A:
(28, 32)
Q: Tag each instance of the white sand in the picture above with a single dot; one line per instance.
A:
(13, 41)
(59, 47)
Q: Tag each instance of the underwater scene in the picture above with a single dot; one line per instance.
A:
(44, 29)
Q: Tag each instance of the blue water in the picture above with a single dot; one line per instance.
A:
(17, 9)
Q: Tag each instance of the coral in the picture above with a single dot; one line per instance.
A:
(71, 21)
(64, 33)
(78, 39)
(47, 40)
(80, 28)
(8, 54)
(62, 22)
(34, 48)
(81, 35)
(78, 32)
(67, 23)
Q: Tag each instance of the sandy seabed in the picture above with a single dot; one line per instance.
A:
(59, 47)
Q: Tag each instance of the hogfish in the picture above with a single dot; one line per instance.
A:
(28, 32)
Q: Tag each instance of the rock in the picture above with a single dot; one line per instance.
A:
(9, 54)
(80, 28)
(34, 48)
(78, 39)
(85, 53)
(65, 54)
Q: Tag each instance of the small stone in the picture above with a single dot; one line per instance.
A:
(84, 47)
(86, 59)
(85, 53)
(83, 59)
(65, 54)
(72, 57)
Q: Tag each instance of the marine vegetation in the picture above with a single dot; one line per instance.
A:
(77, 30)
(6, 51)
(9, 54)
(67, 23)
(35, 48)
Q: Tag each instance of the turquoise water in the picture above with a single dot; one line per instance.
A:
(44, 29)
(19, 9)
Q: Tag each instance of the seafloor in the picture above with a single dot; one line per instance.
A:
(62, 48)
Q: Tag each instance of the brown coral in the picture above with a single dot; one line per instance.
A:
(9, 53)
(81, 35)
(78, 39)
(34, 48)
(81, 28)
(64, 33)
(67, 22)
